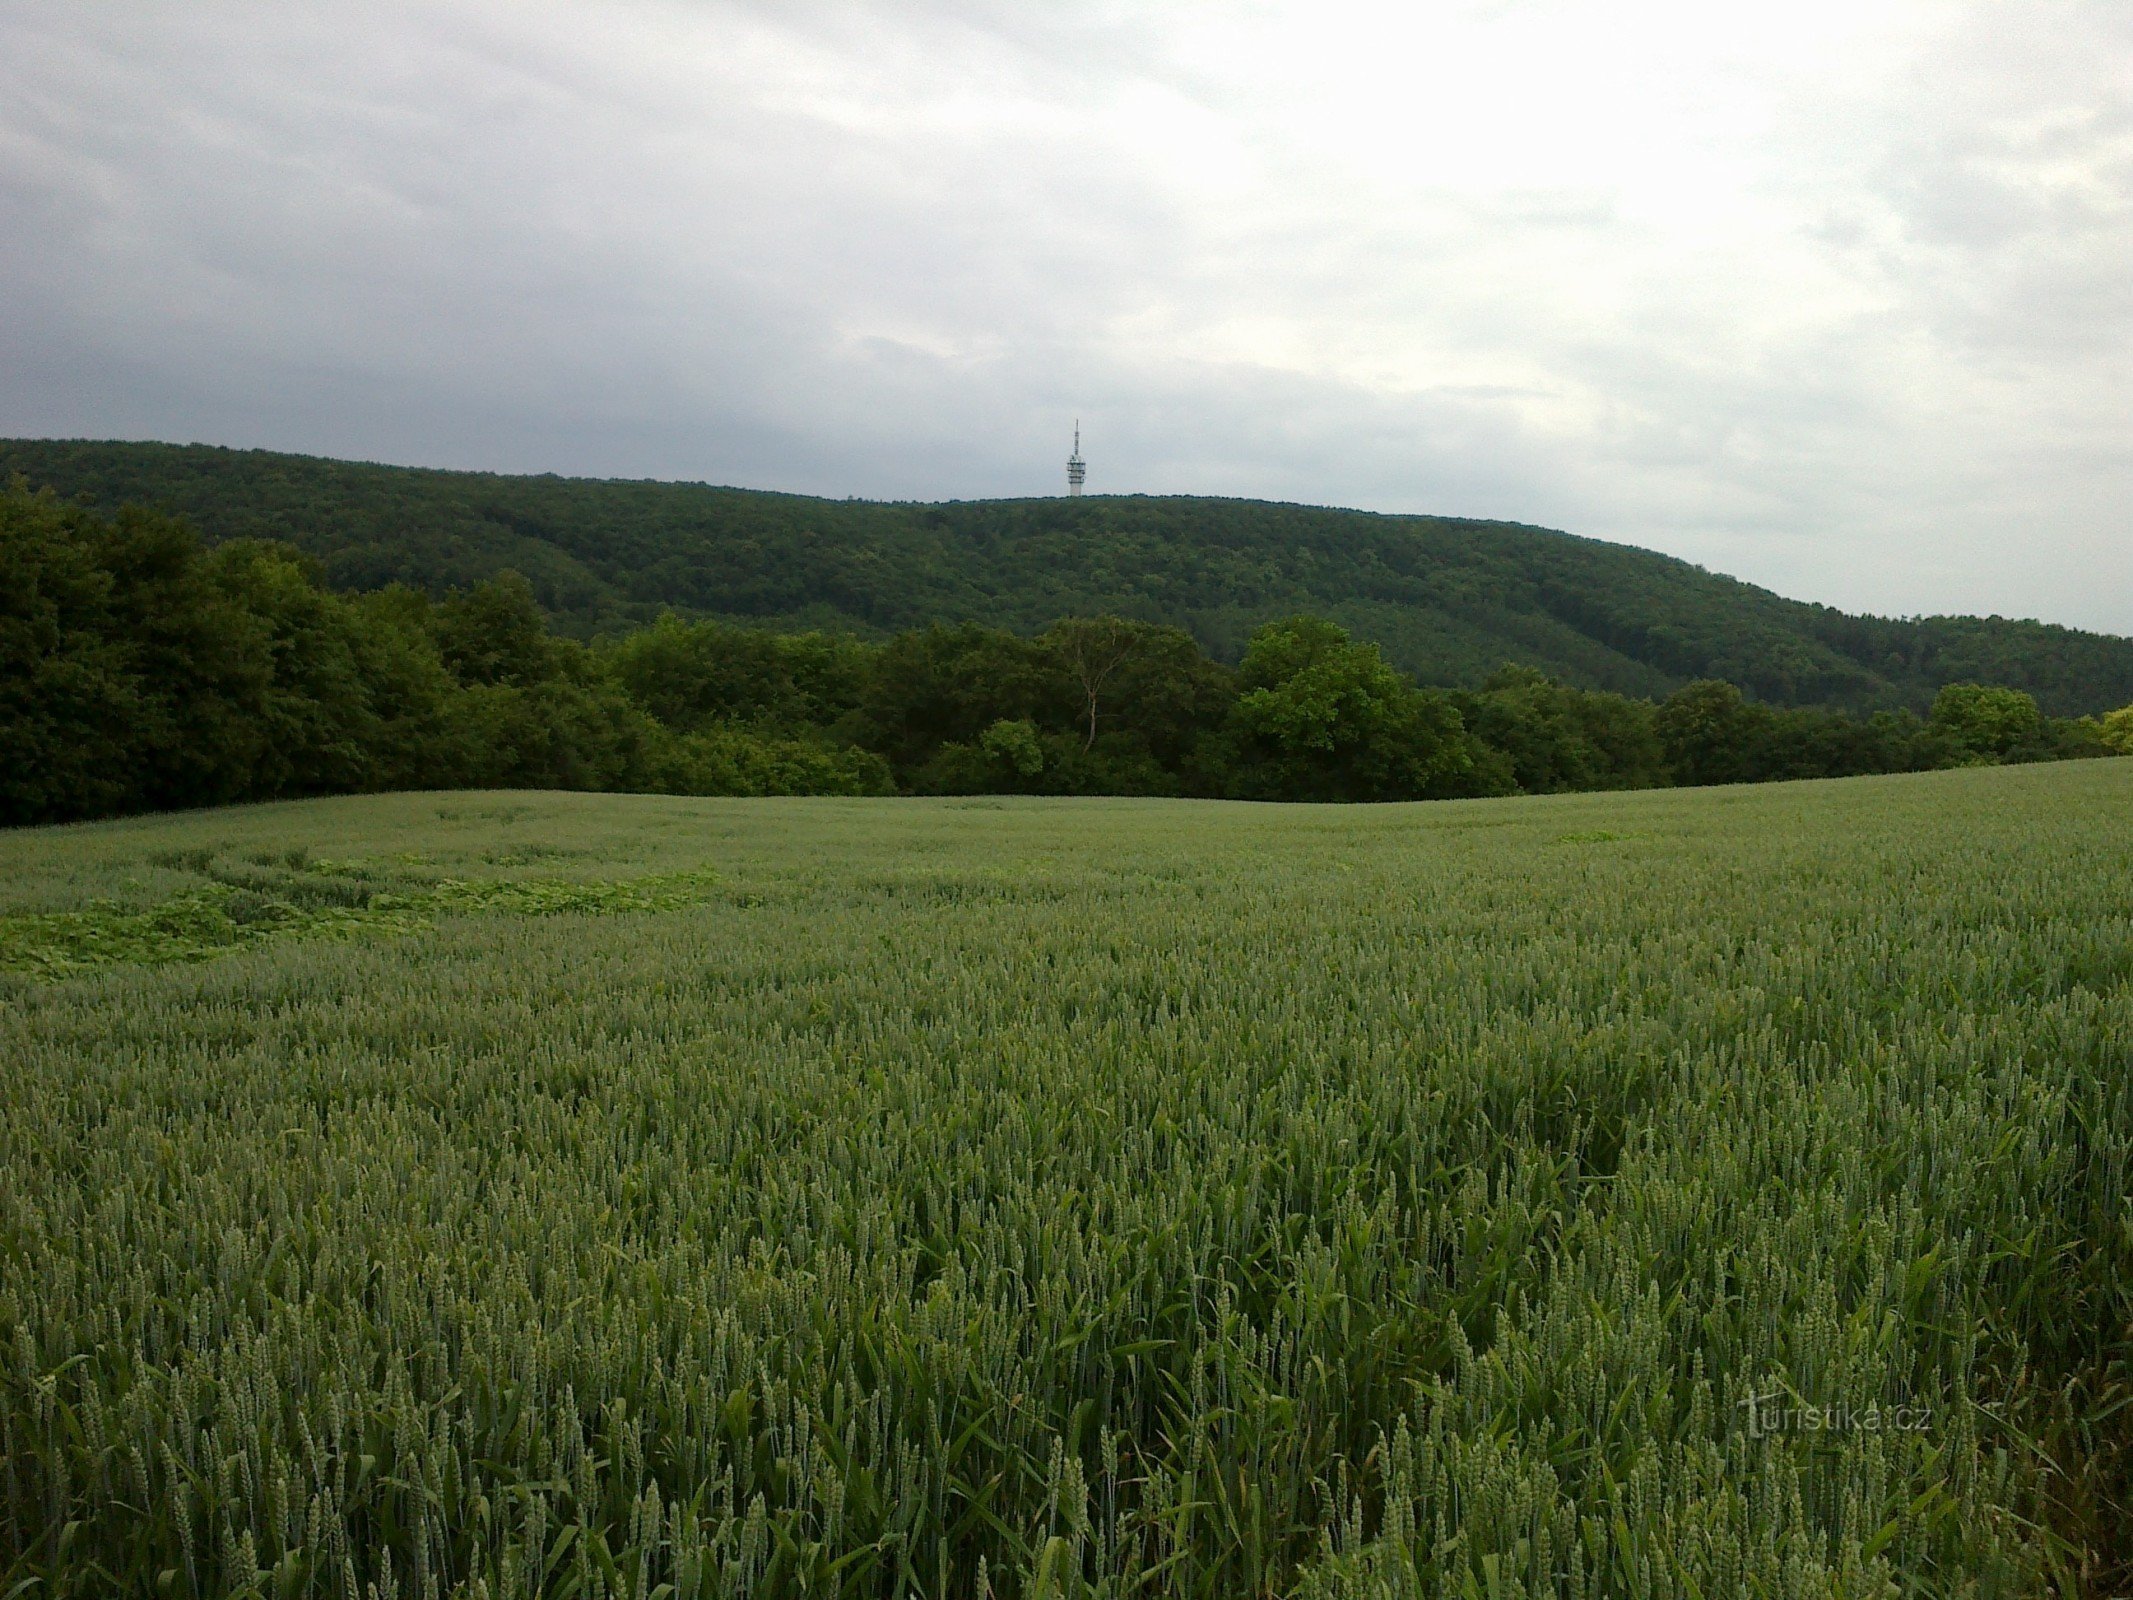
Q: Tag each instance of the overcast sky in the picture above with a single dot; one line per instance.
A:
(1835, 297)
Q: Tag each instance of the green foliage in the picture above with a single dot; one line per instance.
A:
(141, 670)
(2115, 731)
(946, 685)
(1986, 723)
(68, 697)
(1558, 738)
(694, 675)
(739, 761)
(243, 904)
(1710, 733)
(1448, 600)
(1148, 681)
(1015, 745)
(494, 633)
(1116, 707)
(1324, 718)
(1705, 730)
(1093, 1199)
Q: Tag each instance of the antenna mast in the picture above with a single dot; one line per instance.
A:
(1077, 469)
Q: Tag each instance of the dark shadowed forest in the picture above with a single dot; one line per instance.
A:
(1447, 601)
(142, 668)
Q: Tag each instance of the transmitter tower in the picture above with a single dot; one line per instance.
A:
(1077, 469)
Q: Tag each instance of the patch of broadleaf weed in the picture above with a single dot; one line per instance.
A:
(249, 908)
(294, 859)
(525, 855)
(192, 859)
(332, 900)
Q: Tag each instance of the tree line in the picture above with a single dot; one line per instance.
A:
(141, 669)
(1448, 600)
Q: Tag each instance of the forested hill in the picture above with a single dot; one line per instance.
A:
(1449, 599)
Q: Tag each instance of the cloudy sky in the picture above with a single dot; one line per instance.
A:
(1836, 297)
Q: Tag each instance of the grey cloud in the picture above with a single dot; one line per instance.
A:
(1871, 352)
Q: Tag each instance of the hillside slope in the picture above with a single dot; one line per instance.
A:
(1449, 599)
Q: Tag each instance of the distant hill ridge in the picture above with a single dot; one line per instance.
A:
(1449, 599)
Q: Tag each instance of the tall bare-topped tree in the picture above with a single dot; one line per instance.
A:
(1093, 649)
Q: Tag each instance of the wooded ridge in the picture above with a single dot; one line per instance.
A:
(1448, 600)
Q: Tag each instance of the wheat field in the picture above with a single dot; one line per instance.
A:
(1685, 1194)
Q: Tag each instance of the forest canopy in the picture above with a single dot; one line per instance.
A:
(1446, 600)
(142, 668)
